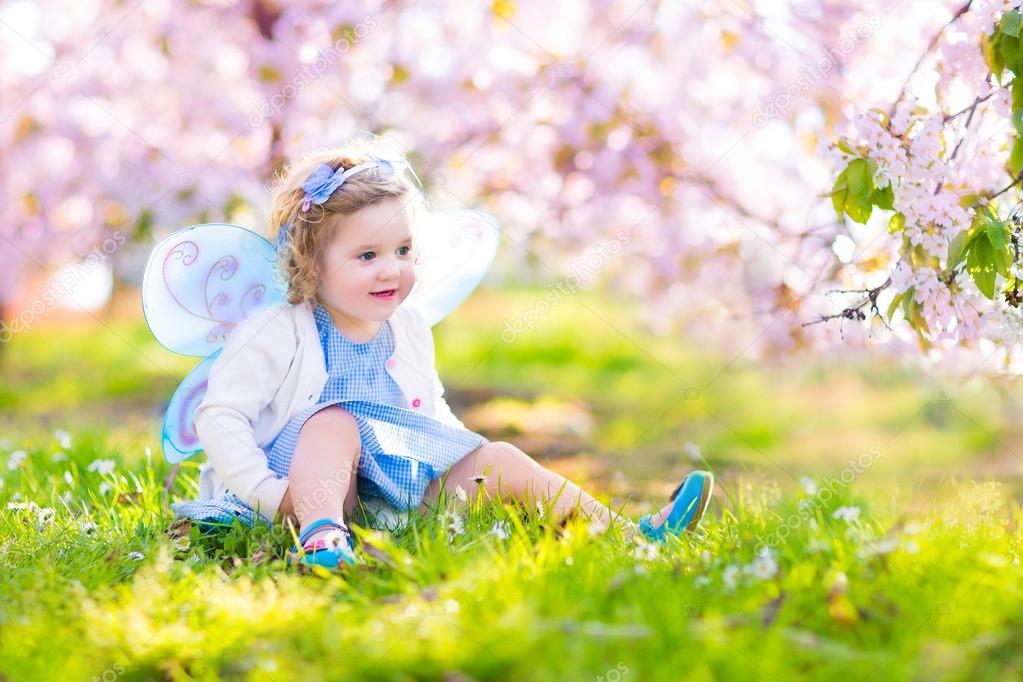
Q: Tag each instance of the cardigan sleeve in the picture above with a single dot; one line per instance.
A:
(243, 381)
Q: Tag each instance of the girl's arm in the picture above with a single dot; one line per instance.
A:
(243, 381)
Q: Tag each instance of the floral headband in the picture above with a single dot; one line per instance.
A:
(324, 181)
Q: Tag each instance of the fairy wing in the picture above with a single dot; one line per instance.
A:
(180, 440)
(456, 249)
(199, 283)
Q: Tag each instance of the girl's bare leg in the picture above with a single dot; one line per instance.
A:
(512, 473)
(321, 482)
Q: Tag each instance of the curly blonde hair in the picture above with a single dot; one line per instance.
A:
(300, 255)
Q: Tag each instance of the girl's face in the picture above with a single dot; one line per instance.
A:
(367, 269)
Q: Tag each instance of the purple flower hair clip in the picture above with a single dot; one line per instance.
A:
(324, 181)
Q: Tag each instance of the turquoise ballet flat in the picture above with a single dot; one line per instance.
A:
(331, 552)
(691, 499)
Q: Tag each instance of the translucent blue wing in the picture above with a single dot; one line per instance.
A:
(456, 248)
(202, 281)
(180, 440)
(199, 283)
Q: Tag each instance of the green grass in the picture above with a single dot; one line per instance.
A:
(924, 584)
(889, 595)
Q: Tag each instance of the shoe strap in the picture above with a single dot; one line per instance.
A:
(319, 524)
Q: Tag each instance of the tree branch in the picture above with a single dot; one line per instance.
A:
(930, 48)
(855, 312)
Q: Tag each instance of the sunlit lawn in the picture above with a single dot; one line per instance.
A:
(910, 572)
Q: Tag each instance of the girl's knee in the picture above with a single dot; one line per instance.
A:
(499, 452)
(333, 421)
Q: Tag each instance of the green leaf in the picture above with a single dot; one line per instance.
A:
(860, 185)
(920, 258)
(1017, 93)
(883, 198)
(990, 47)
(907, 303)
(1011, 23)
(978, 264)
(894, 305)
(1010, 52)
(915, 315)
(1017, 120)
(957, 248)
(1001, 260)
(1016, 157)
(843, 144)
(997, 234)
(969, 200)
(896, 223)
(838, 193)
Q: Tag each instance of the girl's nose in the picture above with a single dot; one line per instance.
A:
(390, 269)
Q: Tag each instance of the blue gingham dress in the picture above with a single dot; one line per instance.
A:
(402, 450)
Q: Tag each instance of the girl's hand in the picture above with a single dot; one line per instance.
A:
(287, 509)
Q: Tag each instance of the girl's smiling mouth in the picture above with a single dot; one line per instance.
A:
(386, 294)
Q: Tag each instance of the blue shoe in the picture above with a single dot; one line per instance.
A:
(333, 551)
(691, 499)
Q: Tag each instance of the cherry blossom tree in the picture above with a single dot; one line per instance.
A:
(939, 165)
(699, 131)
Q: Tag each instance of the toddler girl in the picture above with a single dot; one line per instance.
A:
(334, 395)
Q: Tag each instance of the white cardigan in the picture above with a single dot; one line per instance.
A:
(271, 368)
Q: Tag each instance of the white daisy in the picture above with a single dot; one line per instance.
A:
(16, 506)
(68, 478)
(809, 485)
(879, 548)
(59, 456)
(692, 451)
(87, 527)
(764, 567)
(731, 576)
(453, 522)
(501, 530)
(480, 479)
(645, 551)
(182, 544)
(137, 556)
(63, 438)
(102, 466)
(104, 488)
(44, 516)
(847, 514)
(16, 459)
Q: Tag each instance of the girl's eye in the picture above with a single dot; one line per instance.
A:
(368, 256)
(404, 250)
